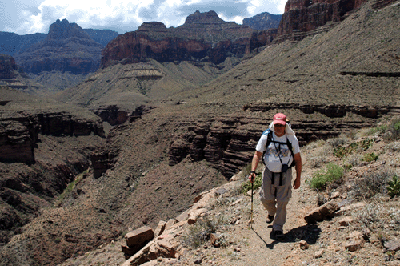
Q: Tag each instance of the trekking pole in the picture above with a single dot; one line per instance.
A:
(251, 209)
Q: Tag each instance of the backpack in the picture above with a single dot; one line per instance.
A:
(270, 139)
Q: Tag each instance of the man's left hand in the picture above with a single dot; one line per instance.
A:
(296, 184)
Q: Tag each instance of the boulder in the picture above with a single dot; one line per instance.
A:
(139, 237)
(323, 212)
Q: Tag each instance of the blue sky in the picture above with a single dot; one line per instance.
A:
(35, 16)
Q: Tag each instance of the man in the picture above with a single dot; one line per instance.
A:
(277, 175)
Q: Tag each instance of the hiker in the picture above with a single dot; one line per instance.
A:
(282, 153)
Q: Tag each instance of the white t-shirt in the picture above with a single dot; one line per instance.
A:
(276, 150)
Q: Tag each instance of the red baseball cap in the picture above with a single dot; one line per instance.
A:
(280, 119)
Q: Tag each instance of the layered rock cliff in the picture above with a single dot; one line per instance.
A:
(66, 48)
(203, 37)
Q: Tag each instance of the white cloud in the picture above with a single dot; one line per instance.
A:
(126, 15)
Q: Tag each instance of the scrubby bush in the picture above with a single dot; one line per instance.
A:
(199, 233)
(322, 156)
(378, 218)
(354, 160)
(323, 178)
(340, 141)
(373, 183)
(393, 130)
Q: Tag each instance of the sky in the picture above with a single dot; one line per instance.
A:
(36, 16)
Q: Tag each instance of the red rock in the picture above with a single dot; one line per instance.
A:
(139, 236)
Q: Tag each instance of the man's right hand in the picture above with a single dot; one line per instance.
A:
(252, 176)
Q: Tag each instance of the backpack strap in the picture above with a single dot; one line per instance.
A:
(267, 132)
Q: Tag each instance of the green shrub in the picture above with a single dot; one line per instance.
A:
(369, 157)
(394, 186)
(367, 143)
(322, 179)
(343, 151)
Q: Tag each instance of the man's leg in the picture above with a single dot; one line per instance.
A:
(283, 196)
(280, 216)
(267, 193)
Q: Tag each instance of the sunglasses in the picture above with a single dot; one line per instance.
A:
(279, 125)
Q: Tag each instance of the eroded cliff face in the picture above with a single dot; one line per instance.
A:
(19, 132)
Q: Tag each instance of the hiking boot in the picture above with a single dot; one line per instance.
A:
(278, 235)
(270, 219)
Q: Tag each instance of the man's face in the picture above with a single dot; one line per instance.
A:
(279, 129)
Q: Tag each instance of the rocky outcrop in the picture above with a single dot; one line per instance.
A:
(102, 160)
(114, 115)
(302, 16)
(66, 48)
(7, 67)
(18, 136)
(263, 21)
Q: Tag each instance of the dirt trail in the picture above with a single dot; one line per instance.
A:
(260, 248)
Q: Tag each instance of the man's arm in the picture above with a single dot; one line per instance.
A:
(254, 165)
(299, 167)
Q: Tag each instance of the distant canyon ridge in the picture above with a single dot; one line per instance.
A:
(69, 48)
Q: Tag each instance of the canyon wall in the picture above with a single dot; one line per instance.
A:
(228, 142)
